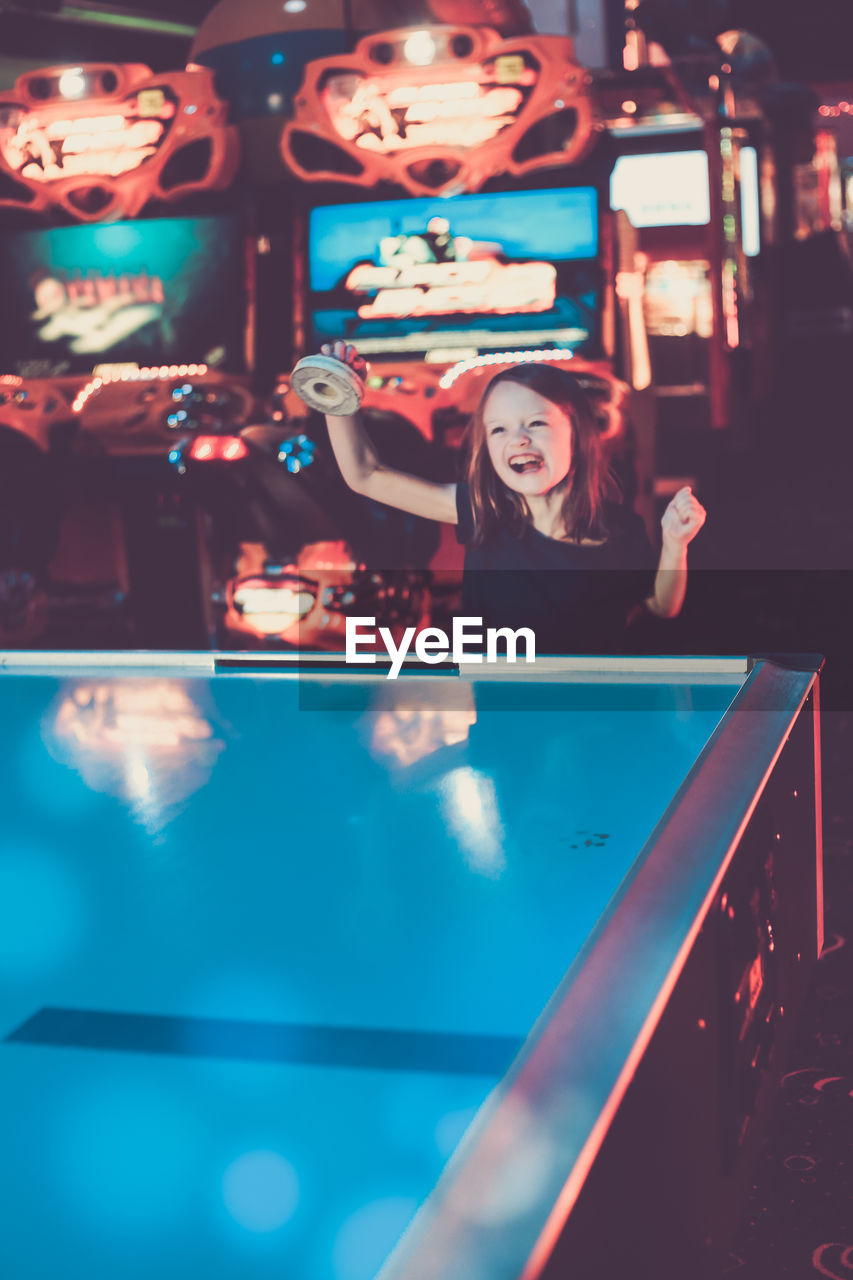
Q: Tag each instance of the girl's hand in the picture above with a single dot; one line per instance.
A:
(683, 518)
(347, 354)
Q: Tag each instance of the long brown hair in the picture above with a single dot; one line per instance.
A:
(590, 485)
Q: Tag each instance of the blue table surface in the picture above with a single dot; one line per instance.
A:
(220, 896)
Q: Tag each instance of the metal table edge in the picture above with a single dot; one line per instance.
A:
(546, 1120)
(211, 662)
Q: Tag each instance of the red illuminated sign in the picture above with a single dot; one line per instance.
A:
(440, 109)
(303, 603)
(101, 140)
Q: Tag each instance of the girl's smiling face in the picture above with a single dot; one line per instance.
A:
(529, 439)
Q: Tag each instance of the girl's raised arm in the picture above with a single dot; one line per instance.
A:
(365, 473)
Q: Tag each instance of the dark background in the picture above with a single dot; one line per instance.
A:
(811, 41)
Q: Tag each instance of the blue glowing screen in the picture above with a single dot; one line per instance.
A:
(151, 292)
(485, 271)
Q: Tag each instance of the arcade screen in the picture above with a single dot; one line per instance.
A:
(154, 292)
(750, 201)
(434, 276)
(666, 189)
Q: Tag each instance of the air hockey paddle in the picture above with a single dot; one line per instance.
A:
(327, 385)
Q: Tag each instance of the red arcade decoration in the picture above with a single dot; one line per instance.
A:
(440, 109)
(306, 602)
(102, 140)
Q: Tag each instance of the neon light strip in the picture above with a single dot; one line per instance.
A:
(109, 18)
(468, 338)
(503, 357)
(160, 372)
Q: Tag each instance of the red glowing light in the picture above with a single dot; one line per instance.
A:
(234, 449)
(218, 449)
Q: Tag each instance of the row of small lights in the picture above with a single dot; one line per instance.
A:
(296, 453)
(503, 357)
(73, 84)
(419, 48)
(841, 108)
(72, 81)
(161, 372)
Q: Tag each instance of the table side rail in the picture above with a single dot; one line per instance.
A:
(505, 1195)
(178, 662)
(295, 663)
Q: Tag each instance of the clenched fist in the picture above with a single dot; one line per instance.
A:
(683, 518)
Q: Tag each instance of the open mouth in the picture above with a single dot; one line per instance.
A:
(525, 464)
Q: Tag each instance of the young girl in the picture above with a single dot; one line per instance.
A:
(546, 546)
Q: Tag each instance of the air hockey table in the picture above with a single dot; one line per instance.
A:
(485, 973)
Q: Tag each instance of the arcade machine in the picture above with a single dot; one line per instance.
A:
(748, 300)
(483, 131)
(438, 294)
(128, 346)
(446, 210)
(291, 551)
(736, 199)
(694, 174)
(119, 333)
(815, 279)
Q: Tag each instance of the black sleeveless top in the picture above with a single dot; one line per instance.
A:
(576, 599)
